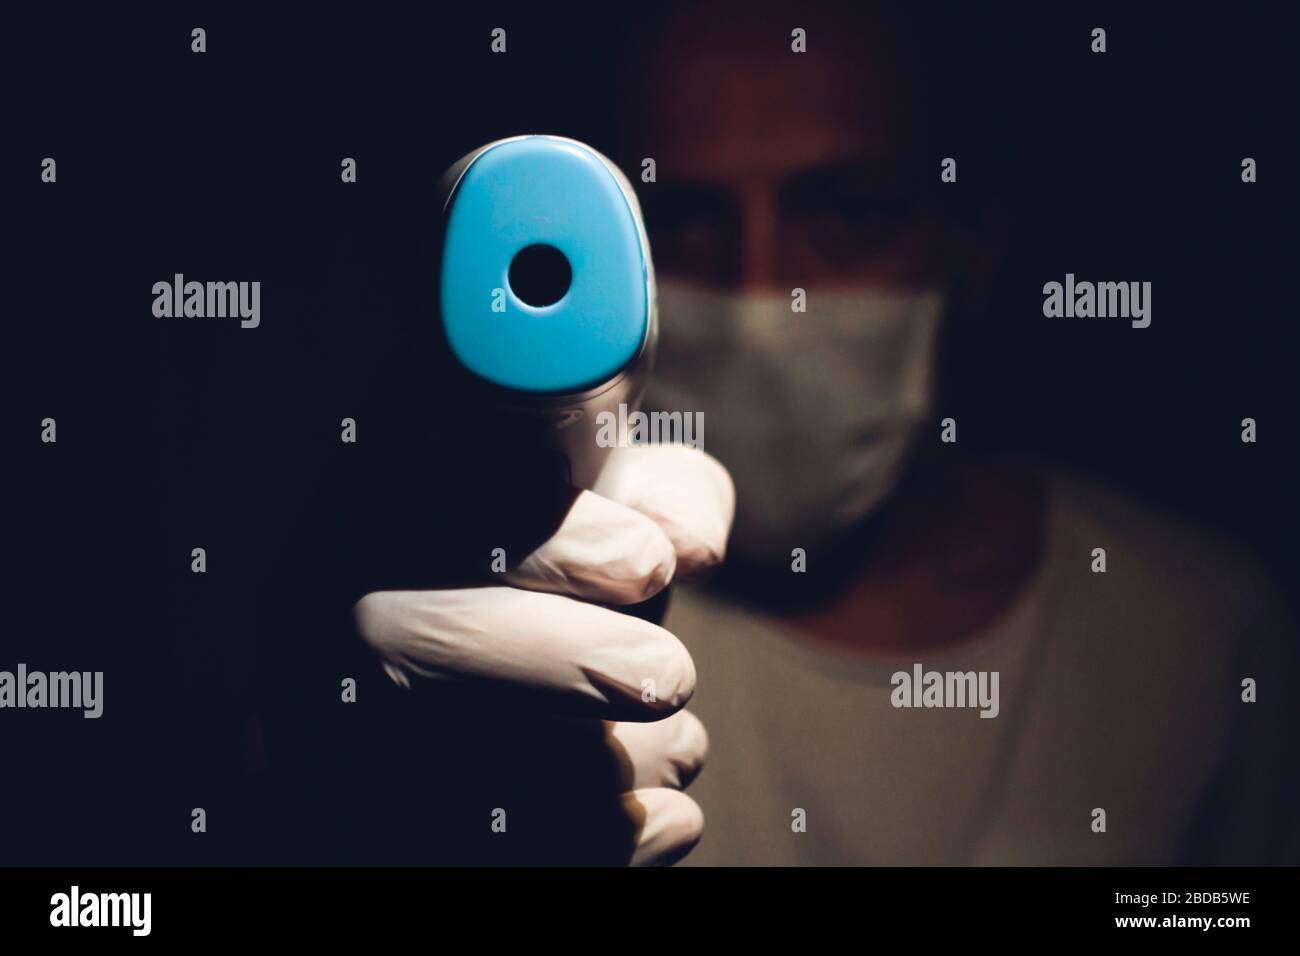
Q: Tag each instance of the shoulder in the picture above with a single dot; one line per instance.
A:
(1143, 674)
(1168, 567)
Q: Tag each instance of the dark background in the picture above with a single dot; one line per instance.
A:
(175, 434)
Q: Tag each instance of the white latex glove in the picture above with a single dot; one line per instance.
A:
(658, 511)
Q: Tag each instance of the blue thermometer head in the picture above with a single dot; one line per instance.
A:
(546, 296)
(546, 285)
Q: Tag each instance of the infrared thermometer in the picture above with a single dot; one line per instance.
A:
(546, 296)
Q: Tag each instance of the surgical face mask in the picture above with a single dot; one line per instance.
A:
(814, 413)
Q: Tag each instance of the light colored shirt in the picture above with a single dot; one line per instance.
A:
(1119, 691)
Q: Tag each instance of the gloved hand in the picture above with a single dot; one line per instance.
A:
(542, 644)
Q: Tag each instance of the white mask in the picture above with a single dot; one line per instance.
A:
(814, 412)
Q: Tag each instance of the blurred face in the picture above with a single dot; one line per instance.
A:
(778, 169)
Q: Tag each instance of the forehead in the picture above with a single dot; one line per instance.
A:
(721, 101)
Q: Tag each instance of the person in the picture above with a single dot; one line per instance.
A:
(1112, 725)
(867, 552)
